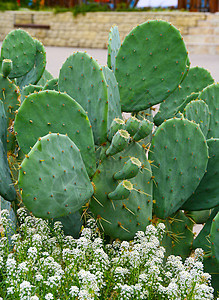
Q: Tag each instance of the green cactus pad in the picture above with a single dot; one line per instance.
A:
(141, 115)
(203, 238)
(122, 191)
(6, 67)
(214, 237)
(145, 128)
(179, 235)
(119, 142)
(199, 217)
(188, 63)
(71, 224)
(211, 266)
(211, 96)
(29, 89)
(114, 44)
(179, 156)
(44, 78)
(53, 180)
(114, 107)
(51, 85)
(142, 62)
(193, 96)
(34, 75)
(198, 112)
(206, 195)
(20, 47)
(196, 80)
(50, 111)
(116, 125)
(9, 95)
(132, 125)
(129, 170)
(7, 190)
(82, 78)
(122, 218)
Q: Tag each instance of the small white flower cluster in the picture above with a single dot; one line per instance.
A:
(46, 264)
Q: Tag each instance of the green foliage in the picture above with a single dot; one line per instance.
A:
(9, 5)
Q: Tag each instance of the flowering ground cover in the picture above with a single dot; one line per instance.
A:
(43, 263)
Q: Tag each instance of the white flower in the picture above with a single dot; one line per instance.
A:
(74, 290)
(49, 296)
(10, 290)
(34, 298)
(38, 277)
(25, 285)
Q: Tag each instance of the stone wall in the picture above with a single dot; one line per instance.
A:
(90, 30)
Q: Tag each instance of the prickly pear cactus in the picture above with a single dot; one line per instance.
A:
(141, 65)
(195, 81)
(53, 180)
(50, 111)
(82, 78)
(86, 160)
(114, 44)
(198, 112)
(7, 190)
(122, 218)
(18, 43)
(207, 193)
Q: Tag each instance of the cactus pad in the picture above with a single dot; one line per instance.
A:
(196, 80)
(142, 62)
(203, 238)
(20, 47)
(114, 107)
(9, 95)
(207, 193)
(198, 112)
(114, 44)
(44, 78)
(50, 111)
(53, 180)
(82, 78)
(7, 190)
(34, 75)
(214, 237)
(179, 235)
(29, 89)
(211, 96)
(122, 218)
(179, 154)
(51, 85)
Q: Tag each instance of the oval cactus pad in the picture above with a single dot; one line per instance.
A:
(207, 193)
(143, 61)
(82, 78)
(53, 180)
(179, 156)
(198, 112)
(50, 111)
(211, 97)
(20, 47)
(34, 75)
